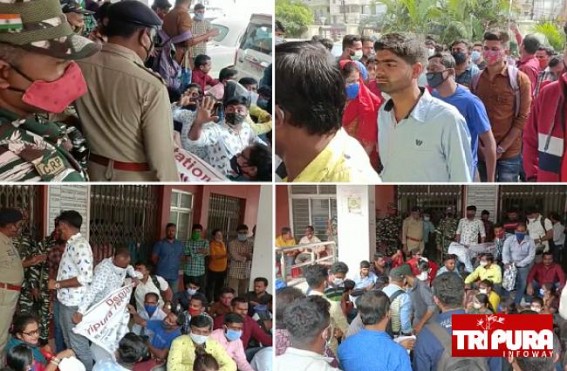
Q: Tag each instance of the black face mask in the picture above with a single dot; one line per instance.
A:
(150, 49)
(234, 165)
(460, 58)
(234, 118)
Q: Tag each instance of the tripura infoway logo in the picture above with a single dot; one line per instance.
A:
(501, 335)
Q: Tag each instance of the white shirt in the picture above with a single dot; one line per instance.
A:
(469, 231)
(186, 118)
(76, 261)
(262, 361)
(536, 230)
(304, 360)
(107, 278)
(559, 234)
(159, 315)
(144, 288)
(431, 145)
(223, 143)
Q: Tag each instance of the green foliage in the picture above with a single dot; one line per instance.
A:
(553, 32)
(294, 15)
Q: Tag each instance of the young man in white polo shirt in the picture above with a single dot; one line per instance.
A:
(420, 138)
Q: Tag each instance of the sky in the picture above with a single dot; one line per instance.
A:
(238, 8)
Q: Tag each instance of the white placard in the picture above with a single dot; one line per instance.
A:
(484, 197)
(68, 197)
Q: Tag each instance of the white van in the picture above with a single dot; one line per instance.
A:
(255, 51)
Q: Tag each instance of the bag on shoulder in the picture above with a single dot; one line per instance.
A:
(389, 329)
(513, 80)
(164, 62)
(449, 363)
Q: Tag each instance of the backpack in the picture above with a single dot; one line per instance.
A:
(449, 363)
(513, 79)
(389, 329)
(509, 277)
(164, 62)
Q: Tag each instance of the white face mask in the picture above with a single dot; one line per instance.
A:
(423, 276)
(430, 52)
(483, 263)
(483, 291)
(477, 305)
(535, 309)
(191, 291)
(198, 339)
(426, 218)
(338, 282)
(357, 55)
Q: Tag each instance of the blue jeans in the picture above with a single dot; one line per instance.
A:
(521, 282)
(59, 340)
(507, 170)
(174, 284)
(78, 343)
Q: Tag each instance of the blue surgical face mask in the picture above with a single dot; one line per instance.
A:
(475, 56)
(233, 335)
(242, 237)
(199, 16)
(352, 90)
(150, 308)
(520, 236)
(191, 292)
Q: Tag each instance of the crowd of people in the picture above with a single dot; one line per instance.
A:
(117, 91)
(403, 108)
(208, 320)
(385, 314)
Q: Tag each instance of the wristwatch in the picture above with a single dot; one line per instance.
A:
(57, 285)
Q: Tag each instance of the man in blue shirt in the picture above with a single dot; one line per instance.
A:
(372, 348)
(449, 292)
(441, 77)
(167, 256)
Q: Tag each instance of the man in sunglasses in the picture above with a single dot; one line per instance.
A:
(126, 114)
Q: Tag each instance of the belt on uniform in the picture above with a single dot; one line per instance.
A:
(9, 286)
(413, 239)
(118, 165)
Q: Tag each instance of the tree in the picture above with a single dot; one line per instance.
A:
(294, 15)
(553, 33)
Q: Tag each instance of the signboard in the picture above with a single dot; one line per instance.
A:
(68, 197)
(193, 169)
(484, 197)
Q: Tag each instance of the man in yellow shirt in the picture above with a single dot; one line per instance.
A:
(310, 97)
(286, 239)
(182, 353)
(487, 287)
(487, 270)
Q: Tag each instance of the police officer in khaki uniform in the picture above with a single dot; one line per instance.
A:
(126, 115)
(11, 272)
(38, 76)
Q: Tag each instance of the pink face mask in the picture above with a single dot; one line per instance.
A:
(55, 96)
(492, 57)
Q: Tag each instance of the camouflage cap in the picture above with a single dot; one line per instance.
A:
(71, 6)
(40, 26)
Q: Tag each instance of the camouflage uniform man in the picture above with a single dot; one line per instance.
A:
(388, 231)
(445, 233)
(55, 246)
(38, 76)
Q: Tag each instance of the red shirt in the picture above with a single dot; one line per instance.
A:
(530, 66)
(250, 330)
(543, 274)
(202, 79)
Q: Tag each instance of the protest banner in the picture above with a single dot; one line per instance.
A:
(193, 169)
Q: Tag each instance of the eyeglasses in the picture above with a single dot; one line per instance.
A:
(31, 333)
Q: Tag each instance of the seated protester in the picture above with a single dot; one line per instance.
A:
(204, 361)
(364, 280)
(309, 325)
(150, 312)
(499, 238)
(164, 332)
(225, 75)
(254, 163)
(310, 99)
(129, 355)
(487, 270)
(487, 287)
(201, 71)
(536, 304)
(21, 358)
(229, 338)
(550, 298)
(230, 136)
(150, 283)
(373, 345)
(182, 353)
(449, 265)
(197, 306)
(335, 285)
(183, 298)
(250, 83)
(347, 305)
(480, 305)
(545, 272)
(258, 297)
(381, 270)
(413, 262)
(25, 331)
(223, 305)
(251, 329)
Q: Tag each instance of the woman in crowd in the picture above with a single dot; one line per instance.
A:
(480, 305)
(22, 358)
(361, 110)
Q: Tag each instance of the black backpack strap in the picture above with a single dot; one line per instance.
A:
(156, 282)
(395, 295)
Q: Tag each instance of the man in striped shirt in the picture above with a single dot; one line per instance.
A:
(200, 26)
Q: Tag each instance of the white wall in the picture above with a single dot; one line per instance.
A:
(263, 259)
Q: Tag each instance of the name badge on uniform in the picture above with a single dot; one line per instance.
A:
(50, 167)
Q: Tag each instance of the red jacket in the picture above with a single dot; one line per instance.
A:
(250, 330)
(542, 274)
(544, 135)
(202, 79)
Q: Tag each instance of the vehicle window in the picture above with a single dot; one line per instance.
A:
(258, 37)
(223, 31)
